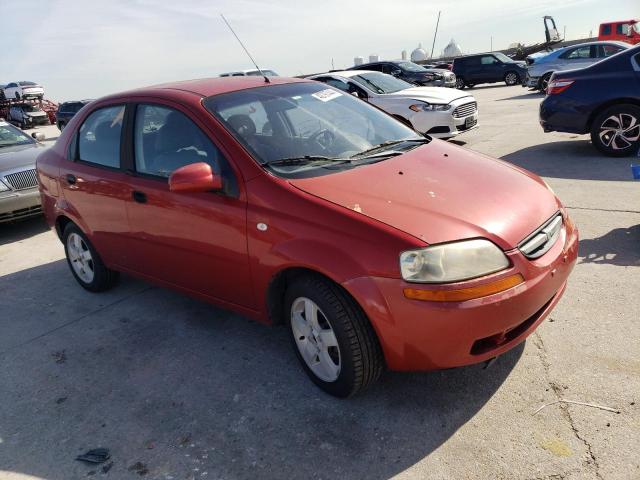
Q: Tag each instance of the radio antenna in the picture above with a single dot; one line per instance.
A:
(266, 79)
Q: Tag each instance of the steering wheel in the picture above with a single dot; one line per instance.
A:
(325, 138)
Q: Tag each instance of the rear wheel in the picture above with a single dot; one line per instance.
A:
(511, 78)
(85, 263)
(61, 126)
(544, 82)
(616, 131)
(332, 337)
(459, 83)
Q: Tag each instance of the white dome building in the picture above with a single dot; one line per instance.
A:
(419, 54)
(453, 49)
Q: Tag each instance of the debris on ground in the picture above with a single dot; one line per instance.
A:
(59, 357)
(96, 455)
(140, 468)
(61, 400)
(107, 467)
(573, 402)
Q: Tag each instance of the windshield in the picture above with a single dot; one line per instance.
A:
(503, 58)
(309, 119)
(11, 136)
(381, 82)
(28, 108)
(412, 67)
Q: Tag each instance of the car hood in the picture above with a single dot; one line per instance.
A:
(441, 193)
(20, 156)
(431, 94)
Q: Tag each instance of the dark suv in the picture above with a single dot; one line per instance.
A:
(472, 70)
(412, 73)
(67, 110)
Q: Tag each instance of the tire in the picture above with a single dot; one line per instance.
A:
(82, 257)
(17, 96)
(460, 83)
(544, 82)
(61, 126)
(616, 130)
(511, 78)
(340, 332)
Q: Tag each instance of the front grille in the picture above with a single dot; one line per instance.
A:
(22, 180)
(541, 241)
(465, 110)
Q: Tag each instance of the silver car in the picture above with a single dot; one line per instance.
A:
(540, 68)
(19, 196)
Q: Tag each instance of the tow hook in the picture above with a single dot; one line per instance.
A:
(489, 362)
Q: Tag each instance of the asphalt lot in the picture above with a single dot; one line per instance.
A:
(178, 389)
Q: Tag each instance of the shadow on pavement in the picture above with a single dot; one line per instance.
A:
(621, 246)
(21, 229)
(184, 387)
(531, 94)
(573, 159)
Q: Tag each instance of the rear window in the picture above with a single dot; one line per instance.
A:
(26, 84)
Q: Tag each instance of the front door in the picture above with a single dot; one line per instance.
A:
(196, 241)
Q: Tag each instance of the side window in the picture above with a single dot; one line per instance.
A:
(376, 67)
(11, 85)
(338, 84)
(99, 137)
(488, 60)
(605, 51)
(605, 30)
(387, 68)
(166, 139)
(578, 53)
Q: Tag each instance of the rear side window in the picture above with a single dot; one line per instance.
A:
(488, 60)
(99, 137)
(166, 139)
(605, 51)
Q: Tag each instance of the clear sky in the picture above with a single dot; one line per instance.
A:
(89, 48)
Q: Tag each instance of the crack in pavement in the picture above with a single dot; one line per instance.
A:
(564, 408)
(602, 209)
(75, 320)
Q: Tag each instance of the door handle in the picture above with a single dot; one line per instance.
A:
(139, 197)
(71, 179)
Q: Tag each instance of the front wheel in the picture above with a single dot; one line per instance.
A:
(616, 131)
(511, 79)
(85, 263)
(459, 83)
(332, 337)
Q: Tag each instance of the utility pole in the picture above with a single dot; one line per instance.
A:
(435, 35)
(491, 44)
(564, 34)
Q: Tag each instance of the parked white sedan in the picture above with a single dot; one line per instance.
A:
(438, 112)
(23, 89)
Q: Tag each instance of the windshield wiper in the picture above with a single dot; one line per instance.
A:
(388, 144)
(305, 159)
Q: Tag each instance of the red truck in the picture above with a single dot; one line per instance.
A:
(623, 30)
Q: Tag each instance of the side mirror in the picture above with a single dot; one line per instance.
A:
(193, 178)
(39, 136)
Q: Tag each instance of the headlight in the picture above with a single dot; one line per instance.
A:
(430, 107)
(3, 187)
(452, 262)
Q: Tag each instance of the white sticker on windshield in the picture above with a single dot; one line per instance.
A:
(2, 124)
(326, 95)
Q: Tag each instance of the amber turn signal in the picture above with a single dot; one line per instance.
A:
(463, 294)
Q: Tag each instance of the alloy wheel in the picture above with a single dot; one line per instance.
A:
(80, 258)
(511, 78)
(459, 83)
(619, 132)
(315, 339)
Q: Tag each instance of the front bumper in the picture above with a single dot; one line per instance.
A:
(419, 335)
(531, 82)
(446, 124)
(15, 205)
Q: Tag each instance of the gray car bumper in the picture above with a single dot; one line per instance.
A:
(20, 204)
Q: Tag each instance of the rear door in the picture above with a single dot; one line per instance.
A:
(195, 241)
(579, 57)
(94, 184)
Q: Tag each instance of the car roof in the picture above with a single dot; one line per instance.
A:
(205, 87)
(343, 73)
(599, 42)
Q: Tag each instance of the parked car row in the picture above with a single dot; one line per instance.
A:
(412, 73)
(602, 100)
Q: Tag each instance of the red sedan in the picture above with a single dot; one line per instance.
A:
(293, 202)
